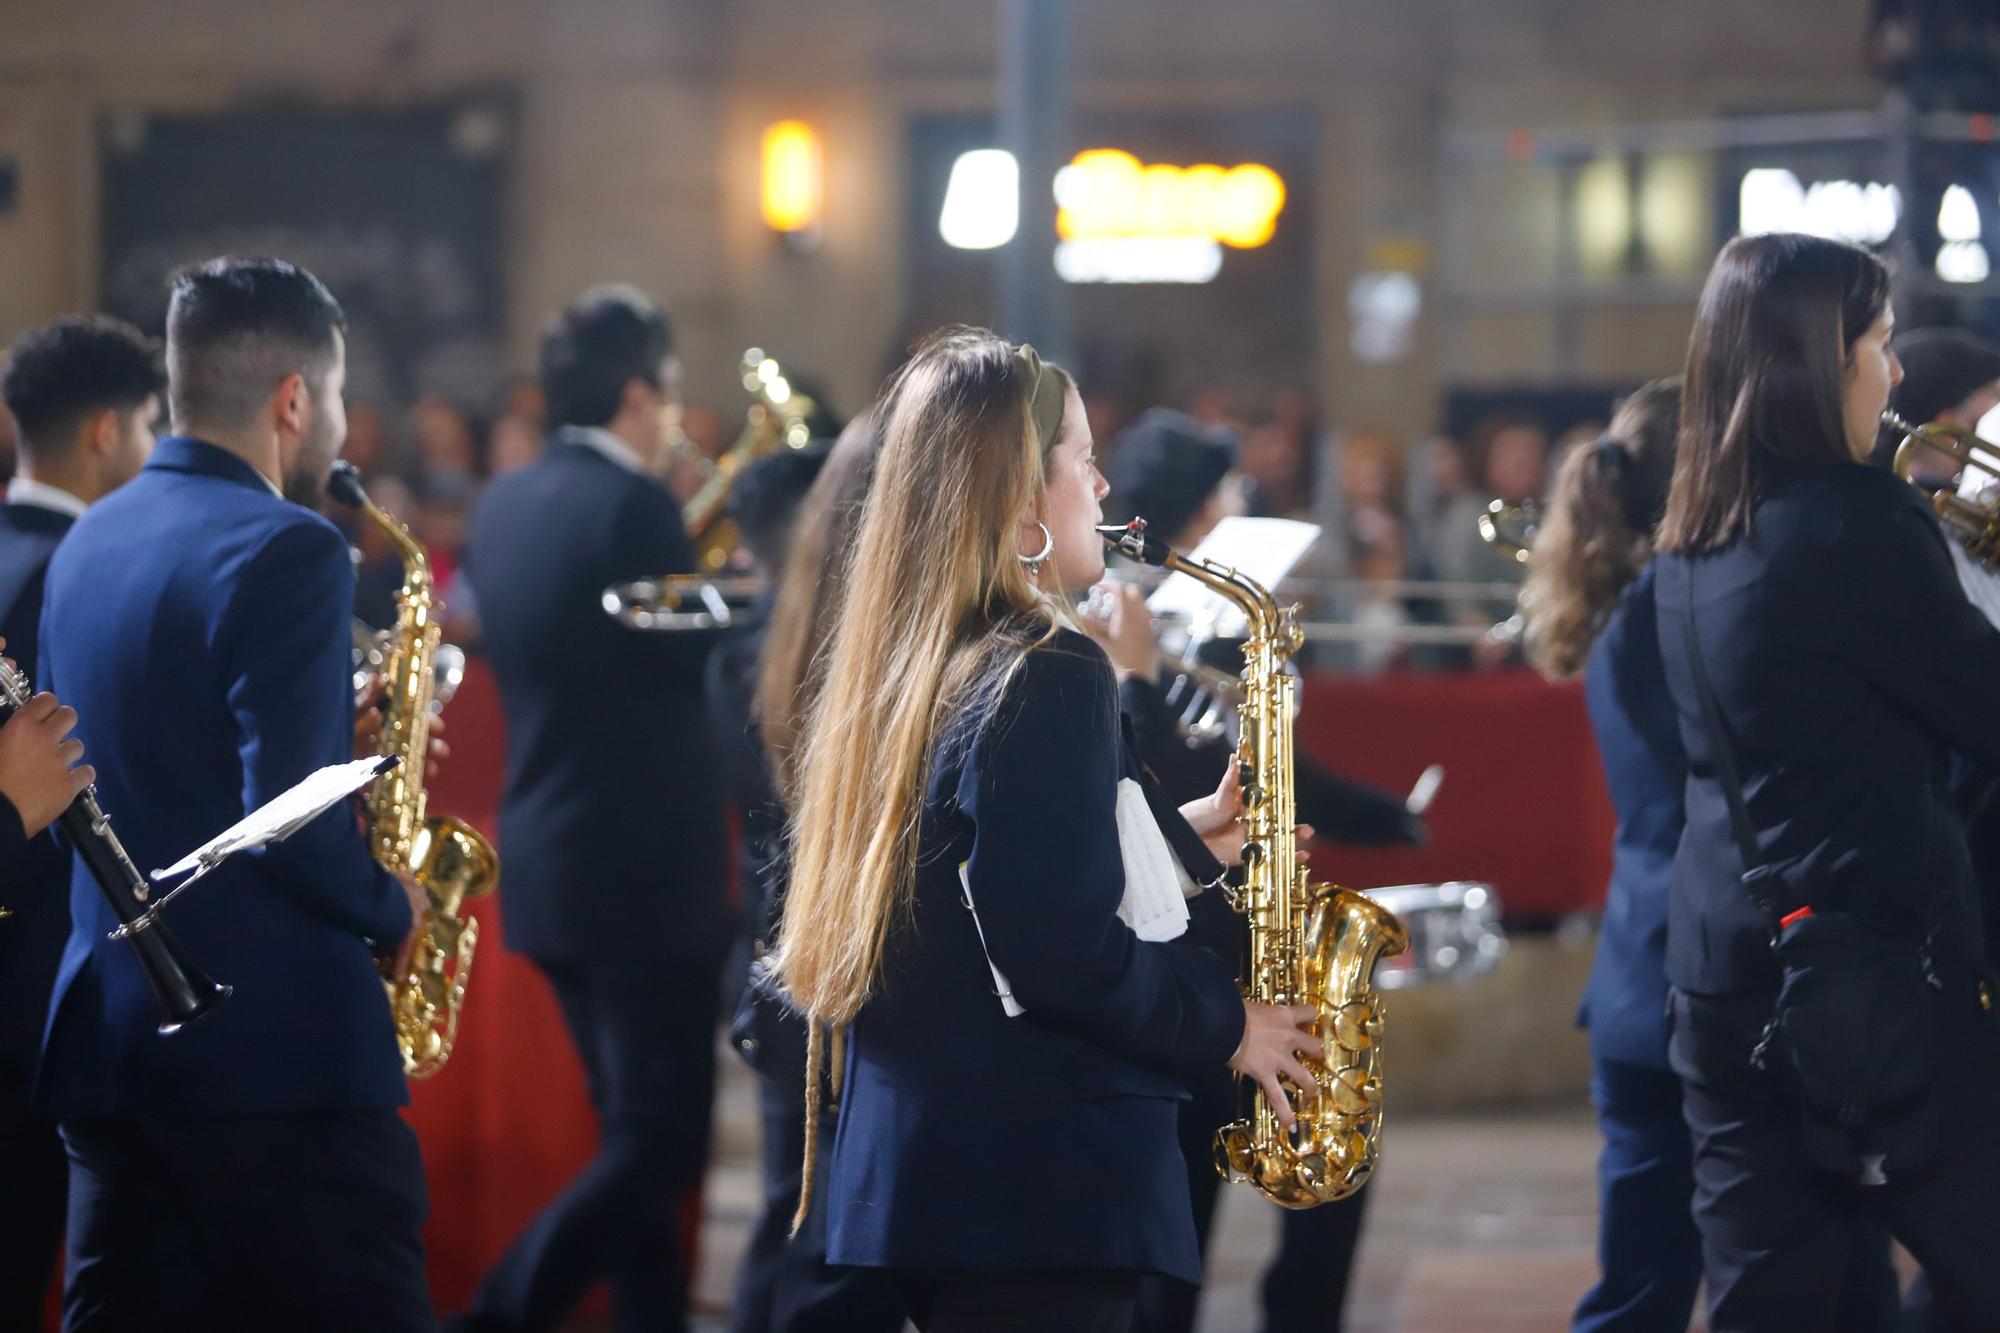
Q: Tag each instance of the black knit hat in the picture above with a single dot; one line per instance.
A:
(765, 498)
(1163, 468)
(1941, 369)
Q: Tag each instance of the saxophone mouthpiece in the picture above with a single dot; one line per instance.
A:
(344, 485)
(1132, 541)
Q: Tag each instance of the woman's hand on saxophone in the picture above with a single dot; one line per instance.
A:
(1218, 818)
(1274, 1037)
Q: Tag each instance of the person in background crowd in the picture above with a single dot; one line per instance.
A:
(516, 442)
(85, 393)
(1511, 462)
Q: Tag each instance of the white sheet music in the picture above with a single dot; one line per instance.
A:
(1264, 549)
(282, 815)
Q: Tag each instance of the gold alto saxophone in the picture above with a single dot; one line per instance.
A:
(448, 856)
(1313, 944)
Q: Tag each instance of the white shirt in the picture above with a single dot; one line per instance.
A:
(28, 491)
(604, 442)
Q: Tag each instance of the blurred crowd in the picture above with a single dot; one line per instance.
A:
(1400, 579)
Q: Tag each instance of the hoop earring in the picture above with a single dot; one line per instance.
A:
(1038, 559)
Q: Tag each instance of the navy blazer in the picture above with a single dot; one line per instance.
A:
(1847, 662)
(969, 1140)
(612, 842)
(201, 627)
(1638, 740)
(34, 884)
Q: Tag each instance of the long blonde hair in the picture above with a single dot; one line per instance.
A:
(935, 612)
(1598, 533)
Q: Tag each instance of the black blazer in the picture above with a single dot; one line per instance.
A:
(201, 626)
(611, 826)
(1847, 664)
(969, 1140)
(34, 884)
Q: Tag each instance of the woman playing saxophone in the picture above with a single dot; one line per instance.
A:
(976, 896)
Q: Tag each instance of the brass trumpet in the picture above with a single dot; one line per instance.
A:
(1975, 524)
(1511, 529)
(680, 601)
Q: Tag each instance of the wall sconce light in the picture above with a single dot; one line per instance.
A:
(794, 180)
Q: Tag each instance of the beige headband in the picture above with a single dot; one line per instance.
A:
(1045, 395)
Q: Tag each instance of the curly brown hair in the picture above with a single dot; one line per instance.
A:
(1598, 532)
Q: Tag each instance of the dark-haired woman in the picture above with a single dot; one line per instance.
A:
(1590, 602)
(1831, 1007)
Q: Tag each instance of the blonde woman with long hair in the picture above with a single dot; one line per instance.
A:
(976, 897)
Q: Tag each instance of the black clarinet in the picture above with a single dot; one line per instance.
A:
(184, 991)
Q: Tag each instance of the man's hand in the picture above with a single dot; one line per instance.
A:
(368, 703)
(420, 924)
(39, 762)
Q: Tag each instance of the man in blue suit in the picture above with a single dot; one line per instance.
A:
(611, 826)
(84, 393)
(250, 1171)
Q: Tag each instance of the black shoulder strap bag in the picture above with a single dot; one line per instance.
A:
(1851, 1034)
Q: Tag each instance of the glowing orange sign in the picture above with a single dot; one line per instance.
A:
(1107, 194)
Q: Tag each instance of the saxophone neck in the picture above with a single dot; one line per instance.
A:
(344, 485)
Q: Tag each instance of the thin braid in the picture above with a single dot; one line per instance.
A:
(815, 1060)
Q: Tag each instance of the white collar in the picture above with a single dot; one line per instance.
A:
(28, 491)
(604, 442)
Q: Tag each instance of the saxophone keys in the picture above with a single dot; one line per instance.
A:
(1355, 1092)
(1235, 1154)
(1357, 1025)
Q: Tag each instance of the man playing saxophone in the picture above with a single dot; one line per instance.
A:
(251, 1171)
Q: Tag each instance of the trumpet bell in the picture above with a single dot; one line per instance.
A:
(1511, 529)
(1967, 506)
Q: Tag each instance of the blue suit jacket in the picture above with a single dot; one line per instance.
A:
(969, 1140)
(1624, 1006)
(612, 839)
(34, 881)
(200, 625)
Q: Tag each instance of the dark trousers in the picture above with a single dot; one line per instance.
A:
(1648, 1251)
(1777, 1230)
(1021, 1302)
(646, 1035)
(1305, 1285)
(31, 1205)
(785, 1284)
(304, 1221)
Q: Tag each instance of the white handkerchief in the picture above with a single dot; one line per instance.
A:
(1155, 903)
(1013, 1007)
